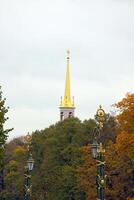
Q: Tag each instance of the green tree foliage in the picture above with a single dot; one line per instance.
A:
(64, 168)
(3, 138)
(56, 151)
(14, 170)
(57, 154)
(3, 132)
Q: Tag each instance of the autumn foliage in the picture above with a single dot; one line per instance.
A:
(126, 114)
(87, 173)
(119, 157)
(64, 167)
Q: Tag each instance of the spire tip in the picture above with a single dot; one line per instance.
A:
(68, 54)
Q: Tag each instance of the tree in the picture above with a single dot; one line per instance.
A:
(3, 136)
(126, 114)
(125, 138)
(57, 154)
(14, 169)
(119, 163)
(86, 173)
(64, 168)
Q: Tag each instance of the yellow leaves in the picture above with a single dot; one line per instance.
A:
(126, 102)
(125, 145)
(87, 172)
(126, 115)
(119, 157)
(19, 151)
(13, 164)
(125, 138)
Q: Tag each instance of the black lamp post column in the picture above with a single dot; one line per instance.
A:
(27, 185)
(101, 177)
(98, 153)
(28, 170)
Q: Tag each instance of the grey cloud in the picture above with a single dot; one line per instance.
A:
(34, 36)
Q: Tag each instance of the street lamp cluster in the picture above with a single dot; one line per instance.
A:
(28, 169)
(98, 153)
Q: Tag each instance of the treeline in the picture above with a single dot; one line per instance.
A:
(64, 168)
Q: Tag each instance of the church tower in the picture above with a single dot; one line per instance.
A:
(67, 103)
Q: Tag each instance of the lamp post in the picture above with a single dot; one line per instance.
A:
(98, 153)
(28, 169)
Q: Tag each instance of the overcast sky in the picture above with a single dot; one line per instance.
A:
(34, 36)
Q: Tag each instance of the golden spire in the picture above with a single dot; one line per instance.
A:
(67, 102)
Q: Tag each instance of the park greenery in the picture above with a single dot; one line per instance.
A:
(64, 168)
(3, 136)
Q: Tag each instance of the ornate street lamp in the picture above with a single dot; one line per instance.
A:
(28, 170)
(95, 147)
(98, 153)
(30, 163)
